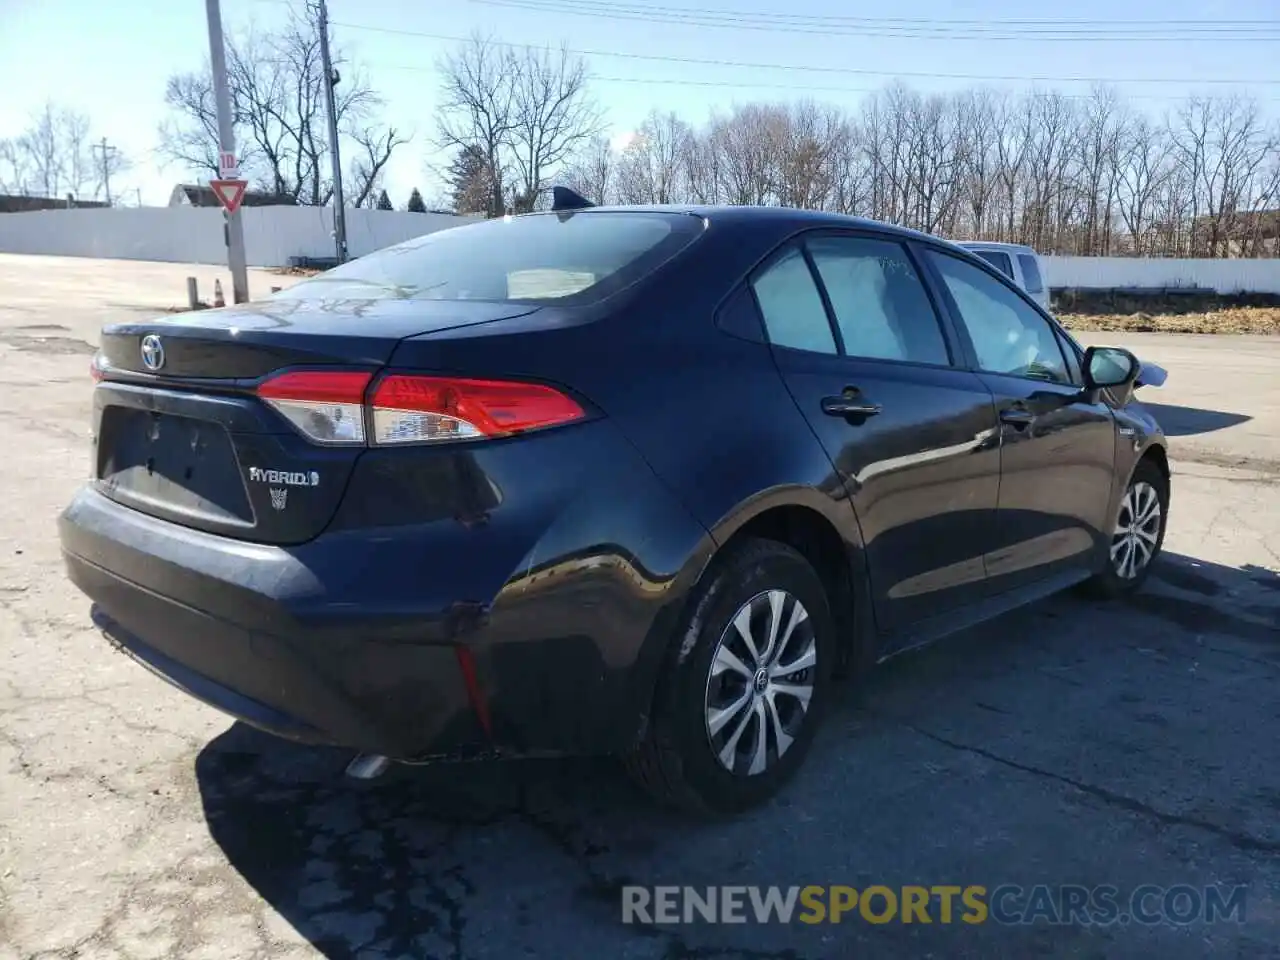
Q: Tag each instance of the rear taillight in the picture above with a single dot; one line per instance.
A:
(329, 407)
(414, 409)
(326, 406)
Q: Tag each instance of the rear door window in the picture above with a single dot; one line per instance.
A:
(879, 301)
(1031, 273)
(998, 260)
(570, 258)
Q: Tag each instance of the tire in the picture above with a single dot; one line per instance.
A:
(1116, 579)
(677, 762)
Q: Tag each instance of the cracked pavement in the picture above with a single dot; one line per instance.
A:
(1067, 743)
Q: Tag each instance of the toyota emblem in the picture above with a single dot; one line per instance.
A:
(152, 352)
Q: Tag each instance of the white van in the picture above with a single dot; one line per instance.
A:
(1016, 261)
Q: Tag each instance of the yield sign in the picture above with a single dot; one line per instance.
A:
(229, 193)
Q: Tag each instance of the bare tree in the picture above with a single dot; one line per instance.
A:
(1142, 168)
(806, 139)
(1221, 145)
(744, 154)
(979, 126)
(15, 170)
(277, 88)
(41, 143)
(529, 115)
(652, 166)
(477, 107)
(553, 116)
(593, 171)
(1099, 146)
(54, 157)
(375, 146)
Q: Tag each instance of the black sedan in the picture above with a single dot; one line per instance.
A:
(638, 481)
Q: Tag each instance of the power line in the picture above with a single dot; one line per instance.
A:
(936, 21)
(806, 88)
(794, 88)
(1251, 32)
(916, 74)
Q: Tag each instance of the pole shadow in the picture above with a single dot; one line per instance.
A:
(1177, 421)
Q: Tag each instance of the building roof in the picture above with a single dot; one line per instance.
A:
(22, 204)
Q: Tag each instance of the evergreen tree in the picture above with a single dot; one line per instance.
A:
(415, 202)
(471, 179)
(384, 202)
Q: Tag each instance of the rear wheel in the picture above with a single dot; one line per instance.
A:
(740, 698)
(1138, 535)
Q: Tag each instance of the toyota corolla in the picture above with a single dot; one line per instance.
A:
(632, 481)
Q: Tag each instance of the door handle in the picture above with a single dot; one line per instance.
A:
(851, 403)
(1017, 416)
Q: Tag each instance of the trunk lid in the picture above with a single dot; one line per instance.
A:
(185, 438)
(251, 340)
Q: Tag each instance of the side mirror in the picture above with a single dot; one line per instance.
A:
(1105, 368)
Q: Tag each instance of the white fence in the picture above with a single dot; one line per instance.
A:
(274, 234)
(1222, 276)
(195, 234)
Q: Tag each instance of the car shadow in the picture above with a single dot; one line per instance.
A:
(528, 858)
(1178, 421)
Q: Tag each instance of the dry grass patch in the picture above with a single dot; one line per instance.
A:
(1183, 313)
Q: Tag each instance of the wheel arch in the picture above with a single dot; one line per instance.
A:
(1156, 453)
(822, 530)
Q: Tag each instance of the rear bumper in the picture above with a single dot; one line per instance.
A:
(342, 686)
(538, 630)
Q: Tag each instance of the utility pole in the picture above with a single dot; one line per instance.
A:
(227, 144)
(331, 80)
(107, 153)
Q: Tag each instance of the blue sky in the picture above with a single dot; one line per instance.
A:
(110, 60)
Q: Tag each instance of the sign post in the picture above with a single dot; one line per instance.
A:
(230, 197)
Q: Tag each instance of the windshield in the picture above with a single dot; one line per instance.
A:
(569, 258)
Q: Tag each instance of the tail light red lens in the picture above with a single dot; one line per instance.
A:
(329, 407)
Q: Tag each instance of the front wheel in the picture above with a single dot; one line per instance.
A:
(744, 684)
(1138, 535)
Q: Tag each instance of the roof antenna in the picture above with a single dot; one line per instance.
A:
(562, 198)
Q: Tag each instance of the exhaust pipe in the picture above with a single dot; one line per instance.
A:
(368, 766)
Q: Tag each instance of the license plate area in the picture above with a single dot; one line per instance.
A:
(165, 463)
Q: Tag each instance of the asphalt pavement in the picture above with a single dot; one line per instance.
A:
(1132, 746)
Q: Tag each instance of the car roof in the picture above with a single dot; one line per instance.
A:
(780, 217)
(995, 245)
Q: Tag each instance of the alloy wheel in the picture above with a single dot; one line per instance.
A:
(761, 682)
(1137, 530)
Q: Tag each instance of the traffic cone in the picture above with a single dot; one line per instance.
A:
(218, 300)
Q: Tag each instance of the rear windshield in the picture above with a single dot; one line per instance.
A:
(1031, 273)
(998, 260)
(569, 258)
